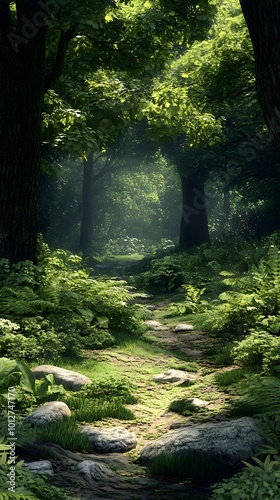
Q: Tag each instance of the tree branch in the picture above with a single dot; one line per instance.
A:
(54, 74)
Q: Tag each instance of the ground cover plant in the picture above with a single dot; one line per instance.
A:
(56, 308)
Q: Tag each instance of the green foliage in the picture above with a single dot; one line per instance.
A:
(183, 407)
(260, 396)
(255, 348)
(29, 486)
(249, 485)
(164, 275)
(189, 465)
(192, 302)
(28, 391)
(255, 299)
(232, 376)
(56, 308)
(66, 434)
(96, 401)
(102, 399)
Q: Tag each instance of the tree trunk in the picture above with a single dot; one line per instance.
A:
(194, 224)
(87, 224)
(21, 84)
(263, 21)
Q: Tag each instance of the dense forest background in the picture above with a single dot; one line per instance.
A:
(139, 231)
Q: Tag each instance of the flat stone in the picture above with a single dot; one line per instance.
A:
(110, 439)
(174, 376)
(230, 441)
(48, 413)
(72, 381)
(93, 471)
(44, 466)
(183, 327)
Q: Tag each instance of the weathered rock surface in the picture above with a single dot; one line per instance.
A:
(110, 439)
(48, 413)
(174, 376)
(94, 471)
(44, 466)
(72, 381)
(183, 327)
(231, 441)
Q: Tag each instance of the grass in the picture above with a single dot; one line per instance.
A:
(232, 376)
(189, 466)
(183, 407)
(66, 434)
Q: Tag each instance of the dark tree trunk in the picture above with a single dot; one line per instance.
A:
(194, 224)
(87, 223)
(22, 85)
(20, 164)
(22, 81)
(263, 21)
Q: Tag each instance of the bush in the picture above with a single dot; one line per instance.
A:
(255, 348)
(56, 308)
(249, 485)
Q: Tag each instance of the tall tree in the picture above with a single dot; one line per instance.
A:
(263, 21)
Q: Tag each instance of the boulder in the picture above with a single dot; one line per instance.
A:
(48, 413)
(174, 376)
(230, 441)
(183, 327)
(110, 439)
(72, 381)
(93, 471)
(44, 466)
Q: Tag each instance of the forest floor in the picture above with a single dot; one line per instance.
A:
(139, 360)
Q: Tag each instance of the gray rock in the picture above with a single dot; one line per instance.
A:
(44, 466)
(94, 471)
(48, 413)
(110, 439)
(183, 327)
(231, 441)
(72, 381)
(174, 376)
(200, 403)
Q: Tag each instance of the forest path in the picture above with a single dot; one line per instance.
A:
(140, 361)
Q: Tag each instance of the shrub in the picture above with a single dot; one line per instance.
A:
(255, 348)
(249, 485)
(56, 308)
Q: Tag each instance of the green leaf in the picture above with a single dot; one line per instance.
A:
(27, 379)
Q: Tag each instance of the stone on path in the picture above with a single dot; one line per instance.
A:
(174, 376)
(44, 466)
(230, 441)
(155, 325)
(48, 413)
(72, 381)
(200, 403)
(93, 471)
(183, 327)
(110, 439)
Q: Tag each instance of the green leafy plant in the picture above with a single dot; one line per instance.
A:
(249, 485)
(192, 303)
(56, 308)
(255, 348)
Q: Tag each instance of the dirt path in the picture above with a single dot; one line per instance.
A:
(166, 349)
